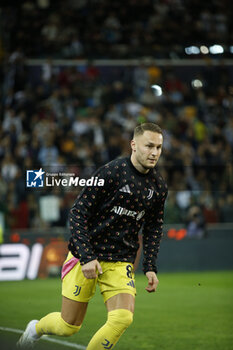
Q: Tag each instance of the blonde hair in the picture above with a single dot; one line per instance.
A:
(140, 129)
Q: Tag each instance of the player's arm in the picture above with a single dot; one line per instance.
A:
(91, 269)
(152, 281)
(85, 207)
(152, 234)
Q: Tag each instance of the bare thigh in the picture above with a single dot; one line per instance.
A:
(73, 312)
(121, 301)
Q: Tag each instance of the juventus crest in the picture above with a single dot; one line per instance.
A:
(150, 195)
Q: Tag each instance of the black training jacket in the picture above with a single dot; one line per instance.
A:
(105, 220)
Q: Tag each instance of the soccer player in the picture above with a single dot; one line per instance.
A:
(104, 223)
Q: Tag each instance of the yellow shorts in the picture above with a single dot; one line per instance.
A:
(117, 277)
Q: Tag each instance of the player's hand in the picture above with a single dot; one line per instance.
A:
(152, 281)
(90, 269)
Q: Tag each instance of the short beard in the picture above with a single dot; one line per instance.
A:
(145, 167)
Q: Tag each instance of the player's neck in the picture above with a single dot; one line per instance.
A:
(138, 166)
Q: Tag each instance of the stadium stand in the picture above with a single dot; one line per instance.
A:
(52, 113)
(103, 29)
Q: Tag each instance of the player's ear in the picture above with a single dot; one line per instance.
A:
(133, 145)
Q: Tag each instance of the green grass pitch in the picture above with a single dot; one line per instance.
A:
(189, 311)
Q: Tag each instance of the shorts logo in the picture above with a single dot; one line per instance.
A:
(107, 344)
(131, 284)
(77, 291)
(35, 178)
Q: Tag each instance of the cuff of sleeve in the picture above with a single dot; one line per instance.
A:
(150, 268)
(87, 259)
(83, 258)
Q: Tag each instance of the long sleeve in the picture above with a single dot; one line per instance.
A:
(105, 220)
(152, 234)
(84, 208)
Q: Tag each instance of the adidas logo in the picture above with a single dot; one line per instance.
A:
(125, 189)
(131, 284)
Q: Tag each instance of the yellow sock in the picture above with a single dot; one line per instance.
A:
(53, 324)
(107, 336)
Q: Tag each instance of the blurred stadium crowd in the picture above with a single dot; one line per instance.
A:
(106, 29)
(76, 118)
